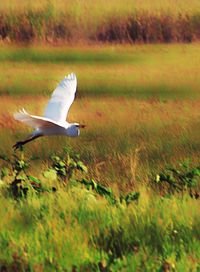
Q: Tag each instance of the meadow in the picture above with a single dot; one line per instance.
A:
(140, 105)
(58, 22)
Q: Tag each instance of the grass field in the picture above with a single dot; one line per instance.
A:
(141, 107)
(153, 71)
(59, 22)
(79, 6)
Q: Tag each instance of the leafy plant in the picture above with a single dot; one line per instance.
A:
(21, 182)
(63, 167)
(132, 196)
(180, 179)
(66, 164)
(99, 189)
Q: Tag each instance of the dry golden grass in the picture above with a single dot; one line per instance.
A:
(110, 80)
(97, 21)
(124, 138)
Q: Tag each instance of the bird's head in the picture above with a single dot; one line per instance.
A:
(79, 125)
(74, 129)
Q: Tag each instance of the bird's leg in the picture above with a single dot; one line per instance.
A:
(21, 143)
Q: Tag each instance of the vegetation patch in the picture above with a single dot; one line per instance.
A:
(63, 220)
(96, 23)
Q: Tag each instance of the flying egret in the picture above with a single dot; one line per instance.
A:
(54, 120)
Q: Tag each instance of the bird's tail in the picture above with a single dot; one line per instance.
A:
(22, 115)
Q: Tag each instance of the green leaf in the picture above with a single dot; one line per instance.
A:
(61, 164)
(21, 165)
(61, 171)
(103, 190)
(133, 196)
(81, 166)
(4, 172)
(94, 184)
(50, 174)
(55, 158)
(73, 164)
(21, 177)
(34, 179)
(196, 172)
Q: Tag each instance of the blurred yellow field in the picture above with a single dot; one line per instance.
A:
(102, 7)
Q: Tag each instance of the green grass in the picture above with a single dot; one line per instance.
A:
(101, 6)
(141, 107)
(161, 71)
(73, 228)
(63, 54)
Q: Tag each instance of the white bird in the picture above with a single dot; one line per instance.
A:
(54, 120)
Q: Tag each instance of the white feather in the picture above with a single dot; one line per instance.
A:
(61, 100)
(36, 122)
(54, 120)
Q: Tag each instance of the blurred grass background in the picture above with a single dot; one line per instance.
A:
(166, 133)
(112, 6)
(99, 21)
(145, 71)
(140, 105)
(143, 96)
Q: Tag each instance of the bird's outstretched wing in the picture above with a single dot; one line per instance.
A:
(36, 122)
(61, 100)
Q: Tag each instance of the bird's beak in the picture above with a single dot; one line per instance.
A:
(82, 126)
